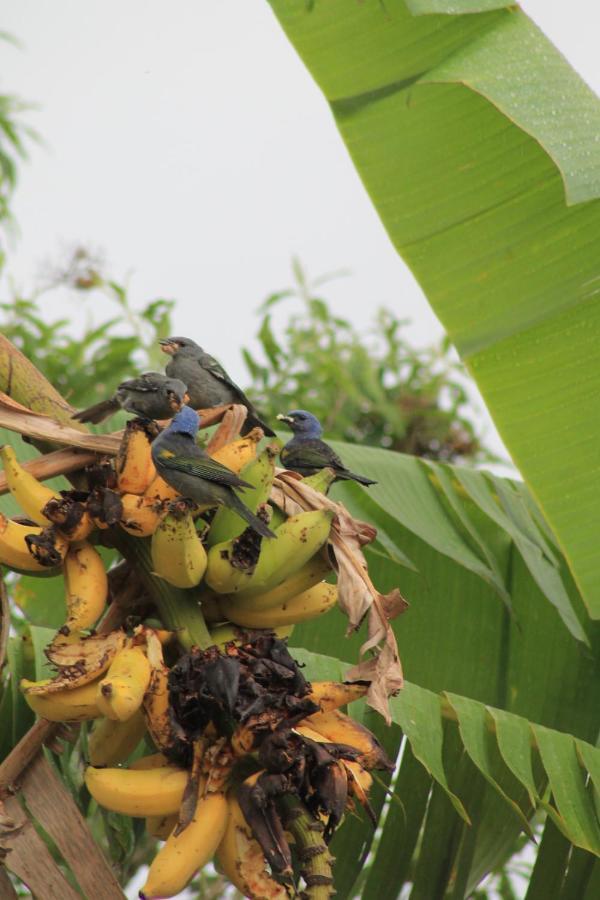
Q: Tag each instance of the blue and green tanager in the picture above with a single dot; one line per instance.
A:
(191, 471)
(306, 453)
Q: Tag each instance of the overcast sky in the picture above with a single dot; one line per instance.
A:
(187, 141)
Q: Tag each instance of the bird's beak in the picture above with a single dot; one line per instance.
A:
(168, 346)
(283, 418)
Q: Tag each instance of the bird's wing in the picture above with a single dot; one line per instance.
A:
(311, 454)
(211, 365)
(138, 384)
(201, 467)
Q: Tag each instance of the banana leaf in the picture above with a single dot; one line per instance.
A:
(477, 144)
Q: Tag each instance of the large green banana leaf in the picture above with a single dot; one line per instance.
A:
(478, 146)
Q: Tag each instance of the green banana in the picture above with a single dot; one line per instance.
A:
(309, 604)
(321, 481)
(307, 576)
(295, 542)
(259, 473)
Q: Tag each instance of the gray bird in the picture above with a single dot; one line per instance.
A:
(150, 396)
(207, 381)
(192, 472)
(306, 453)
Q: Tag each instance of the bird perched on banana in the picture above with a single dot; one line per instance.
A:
(306, 453)
(149, 396)
(208, 383)
(194, 474)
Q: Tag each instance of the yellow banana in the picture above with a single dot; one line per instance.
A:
(70, 515)
(241, 859)
(308, 575)
(183, 854)
(295, 542)
(223, 634)
(339, 728)
(79, 660)
(156, 698)
(30, 494)
(238, 453)
(69, 705)
(259, 473)
(159, 492)
(135, 469)
(121, 691)
(333, 694)
(178, 554)
(154, 761)
(112, 742)
(161, 826)
(86, 586)
(48, 547)
(309, 604)
(145, 792)
(14, 551)
(140, 516)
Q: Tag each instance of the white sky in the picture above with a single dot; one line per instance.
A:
(188, 142)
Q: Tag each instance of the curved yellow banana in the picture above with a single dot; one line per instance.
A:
(79, 660)
(48, 547)
(242, 861)
(75, 705)
(14, 552)
(178, 554)
(161, 826)
(145, 792)
(30, 494)
(339, 728)
(140, 516)
(159, 492)
(333, 694)
(135, 469)
(183, 854)
(237, 454)
(156, 698)
(86, 586)
(224, 634)
(295, 542)
(307, 605)
(70, 516)
(154, 761)
(111, 742)
(307, 576)
(121, 691)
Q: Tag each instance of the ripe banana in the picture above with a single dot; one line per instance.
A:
(224, 634)
(308, 575)
(112, 742)
(156, 698)
(161, 826)
(159, 492)
(333, 694)
(338, 728)
(70, 515)
(260, 472)
(135, 792)
(140, 516)
(242, 861)
(178, 554)
(121, 691)
(309, 604)
(86, 586)
(238, 453)
(68, 705)
(30, 494)
(14, 551)
(154, 761)
(135, 469)
(295, 542)
(81, 660)
(183, 854)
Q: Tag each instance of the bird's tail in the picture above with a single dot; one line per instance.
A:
(248, 516)
(253, 421)
(352, 476)
(97, 413)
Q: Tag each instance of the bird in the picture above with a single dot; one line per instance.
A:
(194, 474)
(307, 454)
(150, 396)
(208, 383)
